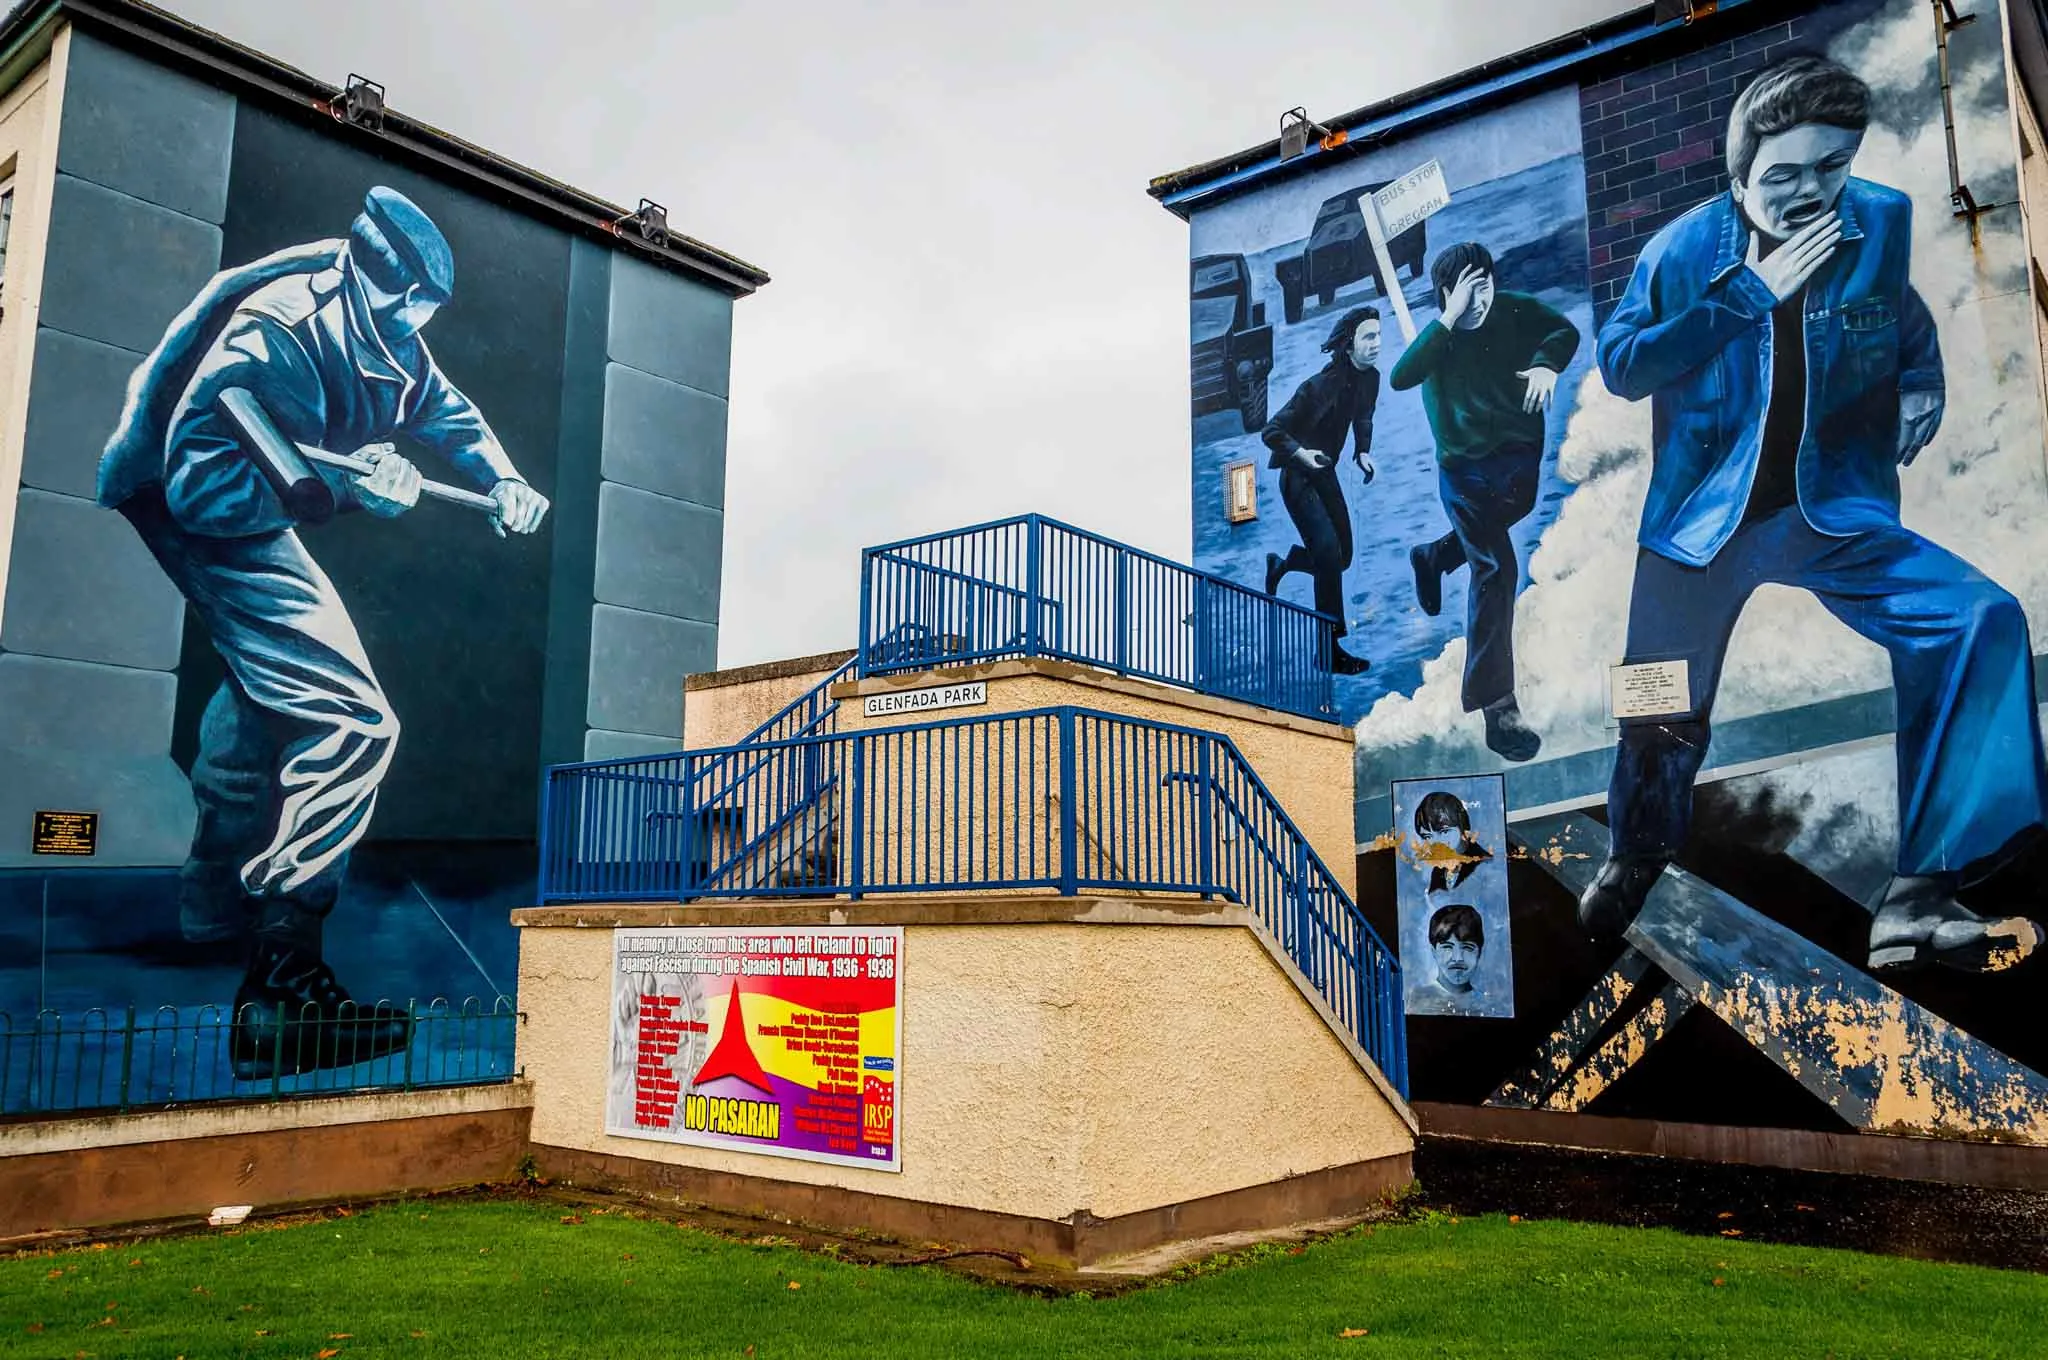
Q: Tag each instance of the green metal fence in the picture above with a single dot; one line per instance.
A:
(108, 1061)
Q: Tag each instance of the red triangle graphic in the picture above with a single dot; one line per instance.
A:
(733, 1056)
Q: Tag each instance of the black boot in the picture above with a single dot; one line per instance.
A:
(1920, 922)
(292, 1016)
(1275, 570)
(1429, 582)
(1506, 733)
(1346, 663)
(1616, 895)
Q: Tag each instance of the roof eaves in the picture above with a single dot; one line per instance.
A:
(166, 36)
(1490, 82)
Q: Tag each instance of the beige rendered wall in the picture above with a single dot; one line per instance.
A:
(1307, 765)
(28, 153)
(720, 707)
(1046, 1069)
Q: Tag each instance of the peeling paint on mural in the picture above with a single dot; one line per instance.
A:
(1773, 411)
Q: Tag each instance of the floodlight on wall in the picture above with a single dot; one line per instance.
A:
(361, 103)
(1295, 126)
(649, 222)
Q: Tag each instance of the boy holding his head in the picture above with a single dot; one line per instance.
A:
(1487, 367)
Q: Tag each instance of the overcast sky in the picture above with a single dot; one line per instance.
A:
(976, 310)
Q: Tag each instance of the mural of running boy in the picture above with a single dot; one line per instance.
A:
(1487, 366)
(1307, 439)
(1792, 370)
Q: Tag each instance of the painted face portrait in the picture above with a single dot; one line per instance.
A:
(1456, 961)
(1796, 177)
(1365, 344)
(399, 314)
(1482, 305)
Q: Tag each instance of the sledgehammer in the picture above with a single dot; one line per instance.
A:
(284, 465)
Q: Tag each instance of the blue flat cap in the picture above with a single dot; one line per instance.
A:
(403, 240)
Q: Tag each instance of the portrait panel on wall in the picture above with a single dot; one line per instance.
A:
(1451, 896)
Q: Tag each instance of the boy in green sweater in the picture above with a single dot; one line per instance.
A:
(1487, 367)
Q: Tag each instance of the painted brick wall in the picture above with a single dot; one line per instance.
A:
(1656, 141)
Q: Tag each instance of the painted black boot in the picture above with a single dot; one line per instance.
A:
(1429, 582)
(1615, 897)
(1507, 734)
(292, 1015)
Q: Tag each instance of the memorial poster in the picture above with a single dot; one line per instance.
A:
(783, 1041)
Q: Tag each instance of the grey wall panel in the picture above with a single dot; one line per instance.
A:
(636, 678)
(149, 132)
(118, 269)
(82, 587)
(657, 554)
(75, 397)
(662, 436)
(662, 323)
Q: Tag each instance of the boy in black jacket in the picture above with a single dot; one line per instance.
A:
(1307, 438)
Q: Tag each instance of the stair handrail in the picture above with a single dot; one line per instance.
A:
(1304, 909)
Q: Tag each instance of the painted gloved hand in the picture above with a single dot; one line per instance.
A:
(520, 507)
(392, 487)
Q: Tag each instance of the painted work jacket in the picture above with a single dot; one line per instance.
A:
(1336, 401)
(1693, 333)
(303, 341)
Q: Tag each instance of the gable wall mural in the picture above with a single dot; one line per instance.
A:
(350, 500)
(1702, 506)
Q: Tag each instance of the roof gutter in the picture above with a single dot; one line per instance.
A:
(164, 36)
(1201, 186)
(26, 37)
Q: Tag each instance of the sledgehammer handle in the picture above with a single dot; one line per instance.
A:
(440, 491)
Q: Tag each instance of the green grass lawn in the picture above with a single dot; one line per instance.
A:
(508, 1278)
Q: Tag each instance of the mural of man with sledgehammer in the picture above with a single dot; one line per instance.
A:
(268, 406)
(1793, 371)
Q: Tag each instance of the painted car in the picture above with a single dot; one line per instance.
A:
(1233, 345)
(1338, 252)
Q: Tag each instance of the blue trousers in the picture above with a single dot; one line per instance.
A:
(1485, 498)
(297, 738)
(1971, 771)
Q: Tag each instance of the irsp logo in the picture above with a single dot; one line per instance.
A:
(878, 1110)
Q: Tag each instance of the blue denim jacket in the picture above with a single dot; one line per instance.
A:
(1693, 334)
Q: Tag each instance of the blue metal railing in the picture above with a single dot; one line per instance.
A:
(1032, 586)
(812, 711)
(699, 806)
(111, 1061)
(1061, 798)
